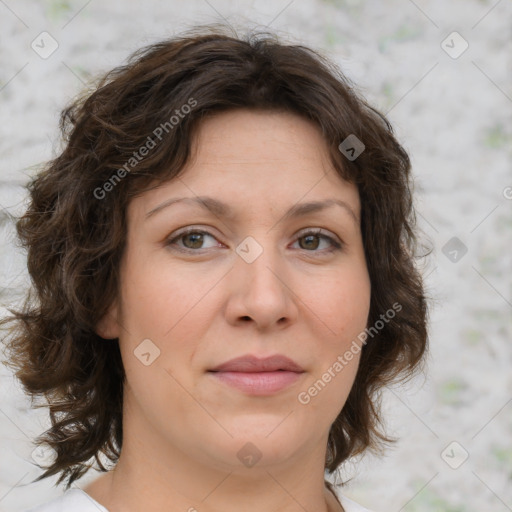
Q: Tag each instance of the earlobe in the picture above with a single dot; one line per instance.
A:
(108, 326)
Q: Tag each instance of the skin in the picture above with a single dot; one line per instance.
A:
(182, 427)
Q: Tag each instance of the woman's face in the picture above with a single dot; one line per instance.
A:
(261, 274)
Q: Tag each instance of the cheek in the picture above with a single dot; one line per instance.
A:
(163, 319)
(340, 308)
(161, 297)
(342, 304)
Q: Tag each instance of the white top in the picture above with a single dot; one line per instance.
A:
(73, 500)
(76, 500)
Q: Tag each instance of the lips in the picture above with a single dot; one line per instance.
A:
(253, 364)
(258, 376)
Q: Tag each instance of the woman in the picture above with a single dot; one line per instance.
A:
(223, 262)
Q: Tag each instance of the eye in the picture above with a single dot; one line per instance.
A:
(193, 239)
(312, 238)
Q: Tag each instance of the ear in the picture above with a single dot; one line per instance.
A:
(108, 326)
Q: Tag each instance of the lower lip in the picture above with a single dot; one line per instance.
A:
(258, 383)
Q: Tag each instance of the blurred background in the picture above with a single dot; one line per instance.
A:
(441, 71)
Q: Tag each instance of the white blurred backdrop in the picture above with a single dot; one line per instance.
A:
(442, 73)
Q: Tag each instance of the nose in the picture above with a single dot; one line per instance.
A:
(261, 292)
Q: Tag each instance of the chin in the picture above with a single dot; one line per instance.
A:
(259, 441)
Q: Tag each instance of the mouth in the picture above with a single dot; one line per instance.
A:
(257, 376)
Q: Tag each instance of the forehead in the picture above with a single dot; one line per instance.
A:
(253, 135)
(254, 159)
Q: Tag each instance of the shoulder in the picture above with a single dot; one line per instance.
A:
(73, 500)
(351, 506)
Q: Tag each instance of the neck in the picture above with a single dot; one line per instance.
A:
(149, 478)
(154, 474)
(130, 488)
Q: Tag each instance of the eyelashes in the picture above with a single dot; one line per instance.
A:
(171, 242)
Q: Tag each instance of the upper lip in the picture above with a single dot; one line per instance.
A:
(250, 364)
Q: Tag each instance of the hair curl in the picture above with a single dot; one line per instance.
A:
(75, 240)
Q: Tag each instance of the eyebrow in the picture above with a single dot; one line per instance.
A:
(221, 209)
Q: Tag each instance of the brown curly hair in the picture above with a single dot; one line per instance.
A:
(75, 239)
